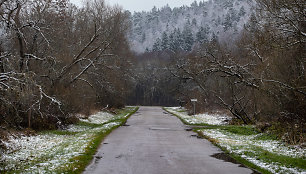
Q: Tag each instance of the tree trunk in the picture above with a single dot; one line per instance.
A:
(29, 118)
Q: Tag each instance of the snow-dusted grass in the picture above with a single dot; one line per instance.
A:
(59, 151)
(99, 118)
(246, 145)
(271, 155)
(210, 119)
(48, 151)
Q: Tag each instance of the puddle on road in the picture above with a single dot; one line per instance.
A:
(163, 129)
(169, 114)
(227, 158)
(197, 136)
(97, 159)
(119, 156)
(188, 129)
(224, 157)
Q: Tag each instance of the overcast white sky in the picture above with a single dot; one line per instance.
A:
(140, 5)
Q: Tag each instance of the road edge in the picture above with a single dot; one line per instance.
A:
(87, 158)
(237, 158)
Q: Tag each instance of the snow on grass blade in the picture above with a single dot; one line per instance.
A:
(211, 119)
(50, 151)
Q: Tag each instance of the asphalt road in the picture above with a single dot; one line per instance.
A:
(154, 142)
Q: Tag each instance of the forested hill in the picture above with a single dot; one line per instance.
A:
(181, 28)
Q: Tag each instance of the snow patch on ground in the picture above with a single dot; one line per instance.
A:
(99, 118)
(211, 119)
(243, 145)
(48, 152)
(77, 128)
(57, 149)
(239, 144)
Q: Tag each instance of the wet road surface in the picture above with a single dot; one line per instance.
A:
(155, 142)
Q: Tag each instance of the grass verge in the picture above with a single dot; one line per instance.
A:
(60, 151)
(182, 111)
(236, 157)
(79, 163)
(259, 151)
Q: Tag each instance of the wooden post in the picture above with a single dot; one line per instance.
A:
(194, 105)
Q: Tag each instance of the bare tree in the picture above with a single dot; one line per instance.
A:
(261, 77)
(52, 48)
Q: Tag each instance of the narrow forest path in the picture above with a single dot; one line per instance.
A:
(154, 142)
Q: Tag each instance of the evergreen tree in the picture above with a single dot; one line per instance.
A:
(165, 41)
(165, 13)
(228, 4)
(203, 34)
(188, 38)
(179, 40)
(143, 39)
(157, 45)
(201, 4)
(194, 22)
(242, 12)
(194, 4)
(252, 24)
(228, 23)
(153, 24)
(155, 11)
(214, 38)
(234, 14)
(172, 41)
(218, 21)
